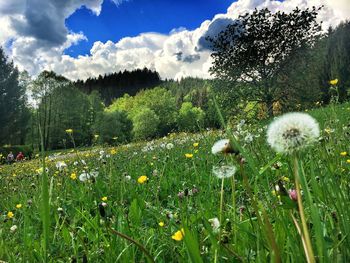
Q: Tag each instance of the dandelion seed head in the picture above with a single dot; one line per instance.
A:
(224, 171)
(292, 132)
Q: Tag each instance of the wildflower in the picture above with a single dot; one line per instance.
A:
(61, 165)
(223, 146)
(142, 179)
(169, 146)
(73, 176)
(215, 224)
(13, 228)
(96, 136)
(161, 224)
(348, 160)
(60, 210)
(18, 206)
(195, 145)
(292, 132)
(343, 153)
(333, 82)
(181, 194)
(189, 155)
(69, 131)
(286, 179)
(86, 176)
(224, 171)
(178, 235)
(104, 199)
(10, 214)
(113, 151)
(293, 194)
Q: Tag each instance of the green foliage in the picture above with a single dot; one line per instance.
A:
(159, 100)
(146, 124)
(190, 118)
(13, 111)
(253, 52)
(15, 149)
(113, 127)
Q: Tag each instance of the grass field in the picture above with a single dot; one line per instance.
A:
(159, 201)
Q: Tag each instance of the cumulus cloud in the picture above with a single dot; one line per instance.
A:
(38, 39)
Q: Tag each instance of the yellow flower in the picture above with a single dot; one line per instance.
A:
(104, 199)
(328, 130)
(333, 82)
(18, 206)
(178, 235)
(73, 176)
(142, 179)
(10, 214)
(343, 153)
(196, 144)
(113, 151)
(189, 155)
(96, 136)
(69, 131)
(348, 160)
(285, 178)
(14, 175)
(161, 224)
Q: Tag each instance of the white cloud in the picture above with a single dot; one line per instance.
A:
(178, 54)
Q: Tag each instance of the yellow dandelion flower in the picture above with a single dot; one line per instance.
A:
(73, 176)
(10, 214)
(104, 199)
(161, 224)
(178, 235)
(18, 206)
(196, 144)
(285, 178)
(343, 153)
(113, 151)
(189, 155)
(14, 175)
(69, 131)
(142, 179)
(333, 82)
(348, 160)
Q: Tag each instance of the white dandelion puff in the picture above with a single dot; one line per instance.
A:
(215, 224)
(292, 132)
(224, 171)
(169, 146)
(61, 166)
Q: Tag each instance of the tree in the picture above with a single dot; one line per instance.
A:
(13, 111)
(190, 118)
(146, 124)
(113, 127)
(252, 53)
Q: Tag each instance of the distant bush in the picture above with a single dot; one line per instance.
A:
(113, 127)
(190, 118)
(146, 124)
(25, 149)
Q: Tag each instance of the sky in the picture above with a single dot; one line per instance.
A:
(84, 38)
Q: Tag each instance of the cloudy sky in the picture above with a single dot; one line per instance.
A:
(84, 38)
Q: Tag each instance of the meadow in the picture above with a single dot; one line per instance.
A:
(160, 201)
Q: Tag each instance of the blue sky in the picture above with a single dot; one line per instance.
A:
(133, 17)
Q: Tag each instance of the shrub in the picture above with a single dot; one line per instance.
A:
(25, 149)
(113, 127)
(146, 124)
(190, 118)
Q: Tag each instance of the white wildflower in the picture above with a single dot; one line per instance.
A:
(221, 146)
(61, 165)
(224, 171)
(13, 228)
(215, 224)
(169, 146)
(292, 132)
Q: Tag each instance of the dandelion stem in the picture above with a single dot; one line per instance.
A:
(308, 247)
(220, 216)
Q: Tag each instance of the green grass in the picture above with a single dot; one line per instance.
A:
(256, 224)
